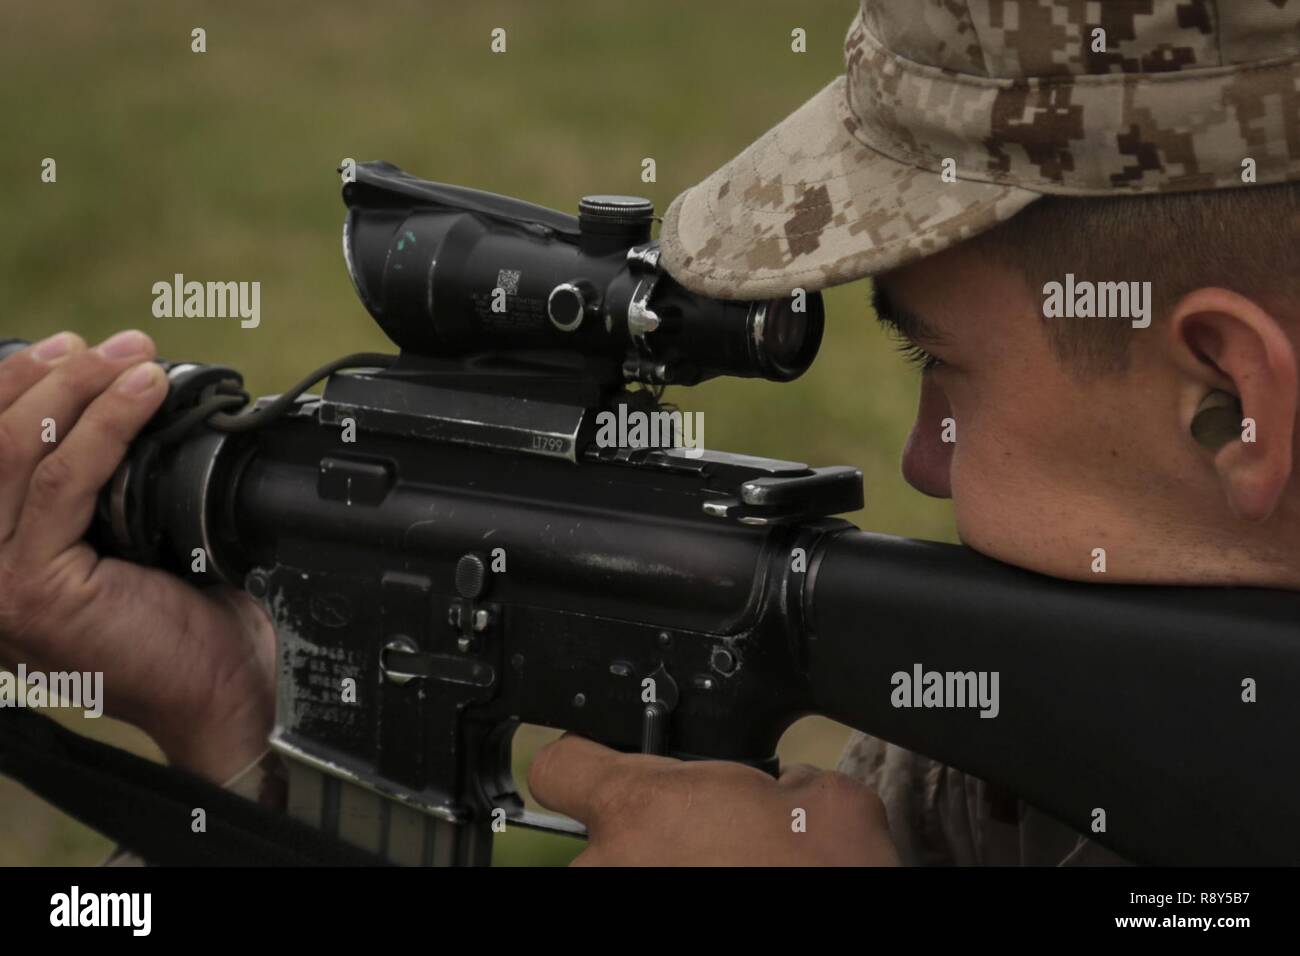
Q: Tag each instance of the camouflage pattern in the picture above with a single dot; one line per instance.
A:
(938, 816)
(1011, 94)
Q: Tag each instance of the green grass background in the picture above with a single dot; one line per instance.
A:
(221, 166)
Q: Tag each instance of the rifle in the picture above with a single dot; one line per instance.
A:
(448, 548)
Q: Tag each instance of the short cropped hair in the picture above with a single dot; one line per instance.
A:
(1244, 239)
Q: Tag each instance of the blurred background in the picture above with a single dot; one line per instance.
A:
(221, 166)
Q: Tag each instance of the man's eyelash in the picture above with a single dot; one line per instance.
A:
(918, 356)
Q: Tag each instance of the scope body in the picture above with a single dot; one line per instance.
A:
(448, 271)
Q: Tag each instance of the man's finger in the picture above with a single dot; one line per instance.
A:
(569, 776)
(797, 775)
(19, 373)
(22, 370)
(39, 419)
(61, 497)
(588, 857)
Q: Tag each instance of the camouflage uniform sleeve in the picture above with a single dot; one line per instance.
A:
(265, 781)
(939, 816)
(914, 791)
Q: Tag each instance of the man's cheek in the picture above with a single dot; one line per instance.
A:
(1002, 508)
(987, 482)
(985, 518)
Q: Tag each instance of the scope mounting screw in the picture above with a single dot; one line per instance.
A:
(723, 661)
(256, 583)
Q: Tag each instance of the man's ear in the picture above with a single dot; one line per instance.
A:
(1225, 341)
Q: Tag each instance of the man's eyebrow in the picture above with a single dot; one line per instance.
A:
(906, 324)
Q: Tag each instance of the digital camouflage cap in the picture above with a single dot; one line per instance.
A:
(1017, 99)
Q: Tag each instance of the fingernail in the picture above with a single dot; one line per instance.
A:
(123, 345)
(55, 346)
(139, 379)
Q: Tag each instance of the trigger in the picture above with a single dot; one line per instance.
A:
(548, 823)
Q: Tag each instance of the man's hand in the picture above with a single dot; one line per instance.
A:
(194, 669)
(655, 811)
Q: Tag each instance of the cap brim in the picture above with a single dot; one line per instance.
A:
(808, 206)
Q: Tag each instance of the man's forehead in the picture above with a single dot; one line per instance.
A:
(952, 294)
(917, 299)
(895, 311)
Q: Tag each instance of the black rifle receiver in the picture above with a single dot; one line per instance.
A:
(446, 550)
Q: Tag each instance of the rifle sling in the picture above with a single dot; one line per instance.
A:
(148, 807)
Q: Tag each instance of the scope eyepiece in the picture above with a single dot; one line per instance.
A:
(785, 342)
(448, 271)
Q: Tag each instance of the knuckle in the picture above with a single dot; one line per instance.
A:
(18, 368)
(51, 480)
(89, 374)
(84, 376)
(114, 419)
(40, 600)
(539, 770)
(730, 774)
(11, 454)
(844, 793)
(11, 595)
(610, 800)
(24, 597)
(630, 791)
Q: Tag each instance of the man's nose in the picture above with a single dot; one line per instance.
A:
(927, 458)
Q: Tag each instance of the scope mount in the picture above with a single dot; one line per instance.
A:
(547, 405)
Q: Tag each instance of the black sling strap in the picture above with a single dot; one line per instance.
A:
(149, 808)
